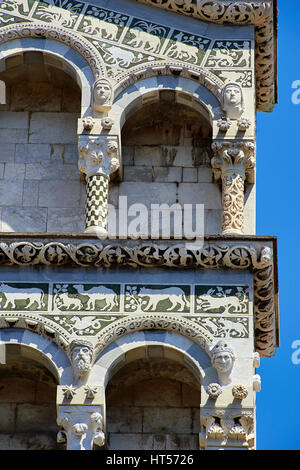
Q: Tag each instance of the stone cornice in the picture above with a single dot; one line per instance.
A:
(219, 11)
(219, 253)
(261, 14)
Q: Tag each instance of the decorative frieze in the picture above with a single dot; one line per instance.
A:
(211, 256)
(123, 42)
(232, 164)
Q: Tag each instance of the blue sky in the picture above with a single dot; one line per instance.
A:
(278, 213)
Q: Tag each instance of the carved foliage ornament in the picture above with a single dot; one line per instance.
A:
(227, 426)
(216, 11)
(80, 428)
(98, 155)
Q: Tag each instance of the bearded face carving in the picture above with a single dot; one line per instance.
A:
(81, 355)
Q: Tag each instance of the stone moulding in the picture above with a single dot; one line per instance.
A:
(257, 258)
(71, 39)
(258, 13)
(170, 68)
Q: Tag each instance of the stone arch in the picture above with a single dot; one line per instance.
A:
(173, 69)
(194, 349)
(50, 355)
(166, 323)
(69, 52)
(188, 92)
(152, 360)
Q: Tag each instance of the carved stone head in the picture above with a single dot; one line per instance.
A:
(102, 94)
(81, 355)
(223, 358)
(232, 101)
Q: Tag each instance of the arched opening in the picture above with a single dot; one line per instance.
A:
(27, 400)
(166, 153)
(40, 185)
(153, 402)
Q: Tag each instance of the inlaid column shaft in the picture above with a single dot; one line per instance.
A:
(232, 164)
(98, 159)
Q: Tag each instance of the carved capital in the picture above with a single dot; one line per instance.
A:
(82, 426)
(232, 164)
(98, 155)
(227, 427)
(233, 157)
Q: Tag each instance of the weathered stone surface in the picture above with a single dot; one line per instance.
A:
(7, 418)
(200, 193)
(53, 128)
(29, 153)
(7, 152)
(30, 193)
(35, 418)
(168, 174)
(12, 120)
(137, 173)
(124, 419)
(190, 175)
(65, 219)
(11, 192)
(51, 171)
(53, 194)
(162, 420)
(158, 392)
(130, 441)
(182, 442)
(24, 219)
(14, 171)
(13, 136)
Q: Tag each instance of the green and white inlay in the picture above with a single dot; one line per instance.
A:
(224, 327)
(23, 296)
(86, 297)
(221, 299)
(157, 298)
(230, 54)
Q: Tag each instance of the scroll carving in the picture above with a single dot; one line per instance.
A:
(210, 256)
(233, 161)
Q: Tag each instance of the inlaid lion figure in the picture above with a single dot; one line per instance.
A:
(175, 295)
(98, 293)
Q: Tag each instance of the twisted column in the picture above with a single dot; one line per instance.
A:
(98, 159)
(232, 164)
